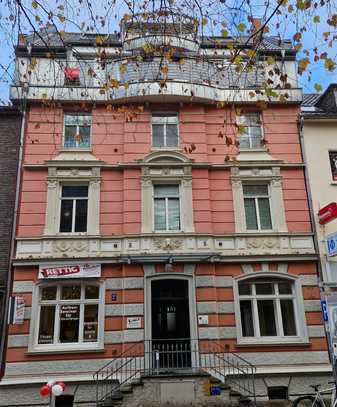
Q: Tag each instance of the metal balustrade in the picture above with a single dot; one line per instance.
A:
(175, 356)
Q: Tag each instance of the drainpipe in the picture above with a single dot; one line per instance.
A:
(3, 341)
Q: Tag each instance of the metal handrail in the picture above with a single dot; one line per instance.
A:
(158, 356)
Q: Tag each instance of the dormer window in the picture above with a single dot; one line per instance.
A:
(77, 129)
(250, 130)
(165, 131)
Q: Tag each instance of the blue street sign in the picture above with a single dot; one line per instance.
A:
(331, 244)
(324, 310)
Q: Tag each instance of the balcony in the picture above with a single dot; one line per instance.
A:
(153, 80)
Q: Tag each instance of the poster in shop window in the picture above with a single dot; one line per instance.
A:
(70, 312)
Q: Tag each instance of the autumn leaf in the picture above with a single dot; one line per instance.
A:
(34, 4)
(303, 64)
(204, 21)
(333, 20)
(316, 19)
(318, 87)
(329, 65)
(164, 69)
(270, 60)
(241, 27)
(61, 18)
(224, 33)
(122, 69)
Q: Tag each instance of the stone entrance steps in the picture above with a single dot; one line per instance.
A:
(174, 390)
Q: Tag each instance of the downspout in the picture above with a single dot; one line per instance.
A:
(3, 342)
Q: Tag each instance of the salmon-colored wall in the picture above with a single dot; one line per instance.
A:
(115, 140)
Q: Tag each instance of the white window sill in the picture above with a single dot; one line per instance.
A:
(260, 231)
(75, 149)
(64, 349)
(253, 150)
(276, 341)
(166, 232)
(166, 148)
(65, 234)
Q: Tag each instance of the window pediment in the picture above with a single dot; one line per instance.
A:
(166, 157)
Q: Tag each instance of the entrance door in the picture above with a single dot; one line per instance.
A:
(171, 324)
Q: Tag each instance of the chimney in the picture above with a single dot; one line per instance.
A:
(256, 24)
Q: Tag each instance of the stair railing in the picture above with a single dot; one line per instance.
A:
(156, 357)
(127, 366)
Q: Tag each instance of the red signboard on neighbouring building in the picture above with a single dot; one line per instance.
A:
(327, 213)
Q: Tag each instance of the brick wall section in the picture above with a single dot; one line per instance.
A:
(10, 126)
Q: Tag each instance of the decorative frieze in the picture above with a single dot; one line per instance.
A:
(231, 246)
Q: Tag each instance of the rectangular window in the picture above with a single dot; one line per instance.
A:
(165, 130)
(250, 130)
(68, 314)
(74, 209)
(166, 202)
(257, 207)
(333, 164)
(267, 309)
(77, 129)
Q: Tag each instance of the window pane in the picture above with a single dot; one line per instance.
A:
(288, 318)
(69, 323)
(75, 191)
(251, 219)
(333, 164)
(285, 288)
(246, 318)
(66, 216)
(81, 215)
(244, 142)
(46, 328)
(84, 140)
(48, 293)
(159, 214)
(69, 136)
(84, 120)
(264, 211)
(158, 135)
(173, 214)
(90, 327)
(91, 291)
(264, 288)
(267, 317)
(70, 119)
(71, 292)
(245, 289)
(171, 135)
(255, 190)
(166, 191)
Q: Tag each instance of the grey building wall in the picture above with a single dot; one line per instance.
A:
(10, 127)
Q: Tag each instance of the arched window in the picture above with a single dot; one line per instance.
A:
(269, 309)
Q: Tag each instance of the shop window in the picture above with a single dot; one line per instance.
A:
(165, 131)
(77, 130)
(166, 202)
(250, 130)
(74, 208)
(68, 314)
(269, 309)
(333, 164)
(257, 207)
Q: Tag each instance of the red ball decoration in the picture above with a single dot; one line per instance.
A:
(44, 390)
(62, 385)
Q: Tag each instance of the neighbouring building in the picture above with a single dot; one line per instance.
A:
(10, 130)
(163, 222)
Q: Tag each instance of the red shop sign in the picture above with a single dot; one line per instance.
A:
(327, 213)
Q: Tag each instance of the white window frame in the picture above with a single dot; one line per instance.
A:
(257, 209)
(74, 207)
(299, 314)
(76, 148)
(164, 119)
(240, 122)
(34, 346)
(57, 177)
(167, 230)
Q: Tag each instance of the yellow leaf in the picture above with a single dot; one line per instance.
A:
(34, 4)
(270, 60)
(99, 40)
(61, 18)
(251, 53)
(164, 69)
(318, 87)
(224, 33)
(303, 63)
(204, 21)
(316, 19)
(62, 34)
(122, 68)
(37, 19)
(44, 96)
(241, 27)
(329, 65)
